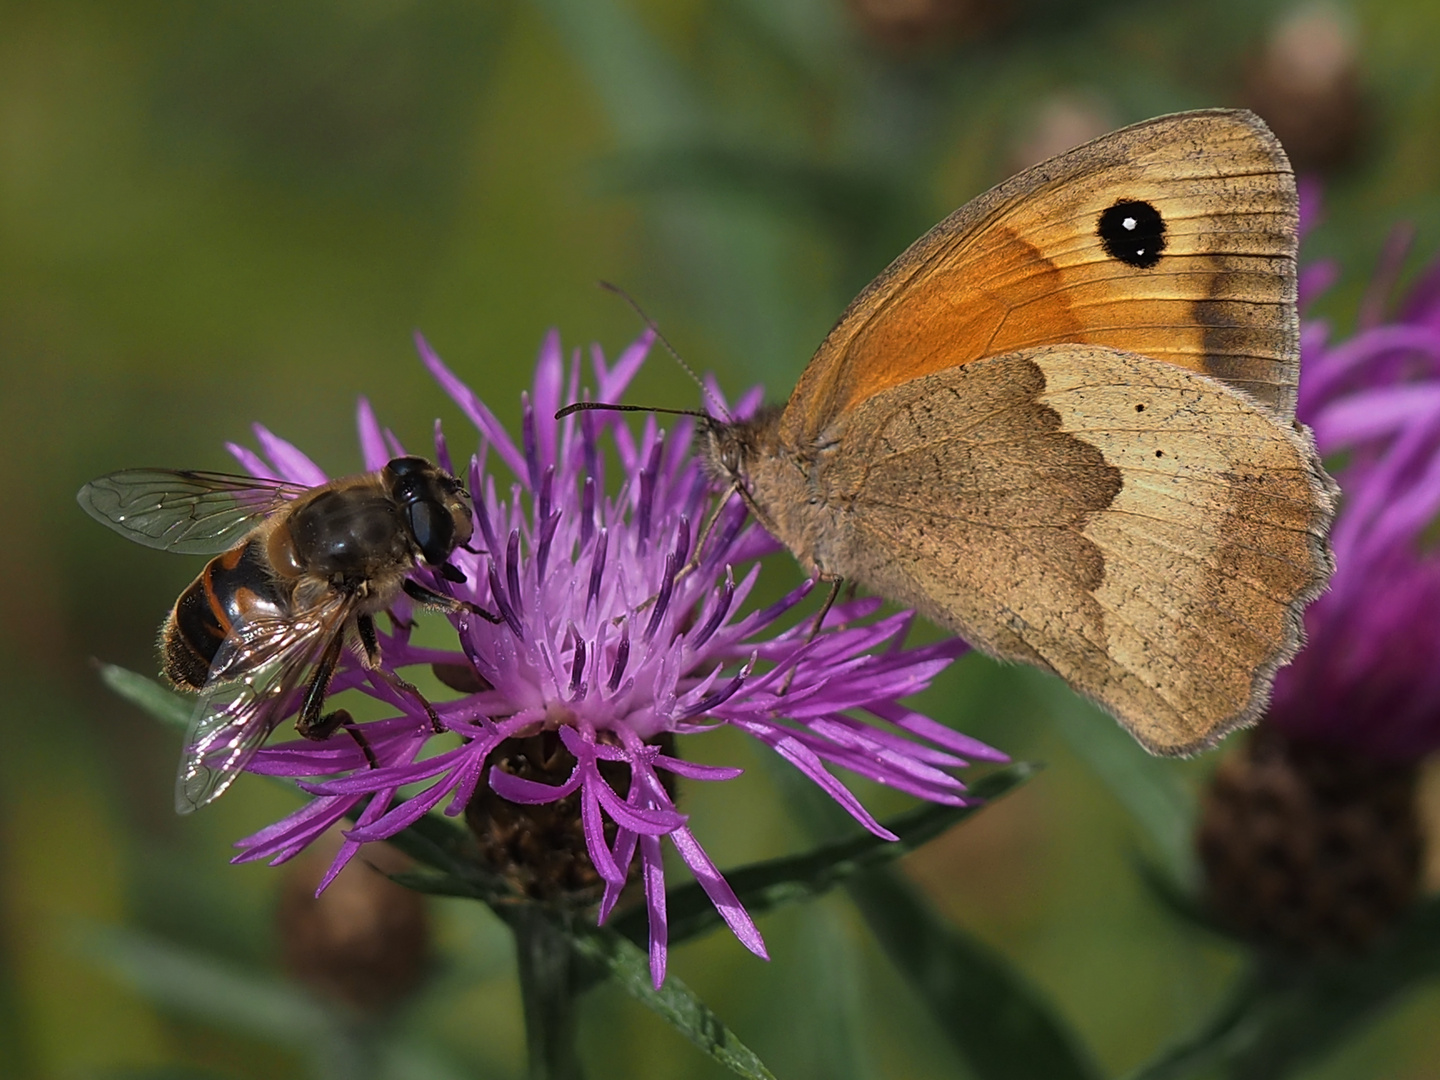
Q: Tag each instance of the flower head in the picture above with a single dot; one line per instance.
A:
(1368, 677)
(618, 627)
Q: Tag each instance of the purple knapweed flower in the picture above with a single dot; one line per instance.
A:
(612, 636)
(1369, 679)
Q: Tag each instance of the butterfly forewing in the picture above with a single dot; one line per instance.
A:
(1054, 256)
(251, 689)
(187, 512)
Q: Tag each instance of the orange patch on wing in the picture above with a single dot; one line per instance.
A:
(940, 319)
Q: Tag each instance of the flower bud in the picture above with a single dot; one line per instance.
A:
(364, 941)
(905, 27)
(1308, 849)
(1306, 86)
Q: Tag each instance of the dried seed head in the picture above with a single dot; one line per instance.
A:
(1308, 849)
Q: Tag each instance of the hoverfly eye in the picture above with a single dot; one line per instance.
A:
(433, 529)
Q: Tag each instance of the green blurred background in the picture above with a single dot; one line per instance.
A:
(213, 214)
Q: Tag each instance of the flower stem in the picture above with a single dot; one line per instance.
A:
(547, 984)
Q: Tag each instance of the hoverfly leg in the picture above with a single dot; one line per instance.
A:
(413, 691)
(365, 624)
(310, 723)
(359, 737)
(448, 604)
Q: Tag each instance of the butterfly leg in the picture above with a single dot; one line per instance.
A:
(835, 585)
(448, 604)
(694, 563)
(310, 723)
(709, 527)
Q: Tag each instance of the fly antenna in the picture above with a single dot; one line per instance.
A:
(655, 329)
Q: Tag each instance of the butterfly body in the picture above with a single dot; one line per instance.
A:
(1062, 425)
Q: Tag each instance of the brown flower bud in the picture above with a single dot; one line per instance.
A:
(1309, 849)
(1306, 86)
(364, 941)
(1061, 122)
(903, 27)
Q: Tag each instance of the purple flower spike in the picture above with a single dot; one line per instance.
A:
(621, 624)
(1368, 680)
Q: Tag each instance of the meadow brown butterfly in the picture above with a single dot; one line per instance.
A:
(1062, 424)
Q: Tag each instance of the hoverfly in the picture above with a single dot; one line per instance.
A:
(300, 572)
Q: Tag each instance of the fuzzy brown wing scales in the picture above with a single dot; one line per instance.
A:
(1167, 587)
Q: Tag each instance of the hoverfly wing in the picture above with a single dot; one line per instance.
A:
(251, 686)
(188, 512)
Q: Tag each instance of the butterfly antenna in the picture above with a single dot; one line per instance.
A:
(655, 329)
(604, 406)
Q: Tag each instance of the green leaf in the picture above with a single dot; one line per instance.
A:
(865, 210)
(1003, 1027)
(1281, 1016)
(629, 966)
(1147, 786)
(202, 986)
(149, 695)
(766, 885)
(155, 1072)
(1181, 899)
(646, 92)
(448, 848)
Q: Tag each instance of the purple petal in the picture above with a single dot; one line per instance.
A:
(372, 443)
(612, 382)
(474, 409)
(517, 789)
(289, 461)
(252, 462)
(549, 376)
(652, 869)
(936, 732)
(1374, 414)
(804, 759)
(719, 891)
(694, 771)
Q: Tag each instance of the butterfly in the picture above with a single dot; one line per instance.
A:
(1062, 425)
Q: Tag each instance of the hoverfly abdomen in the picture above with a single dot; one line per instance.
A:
(238, 586)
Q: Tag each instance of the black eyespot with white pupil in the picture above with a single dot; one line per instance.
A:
(1133, 232)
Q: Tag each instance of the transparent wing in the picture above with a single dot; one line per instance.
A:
(251, 687)
(192, 513)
